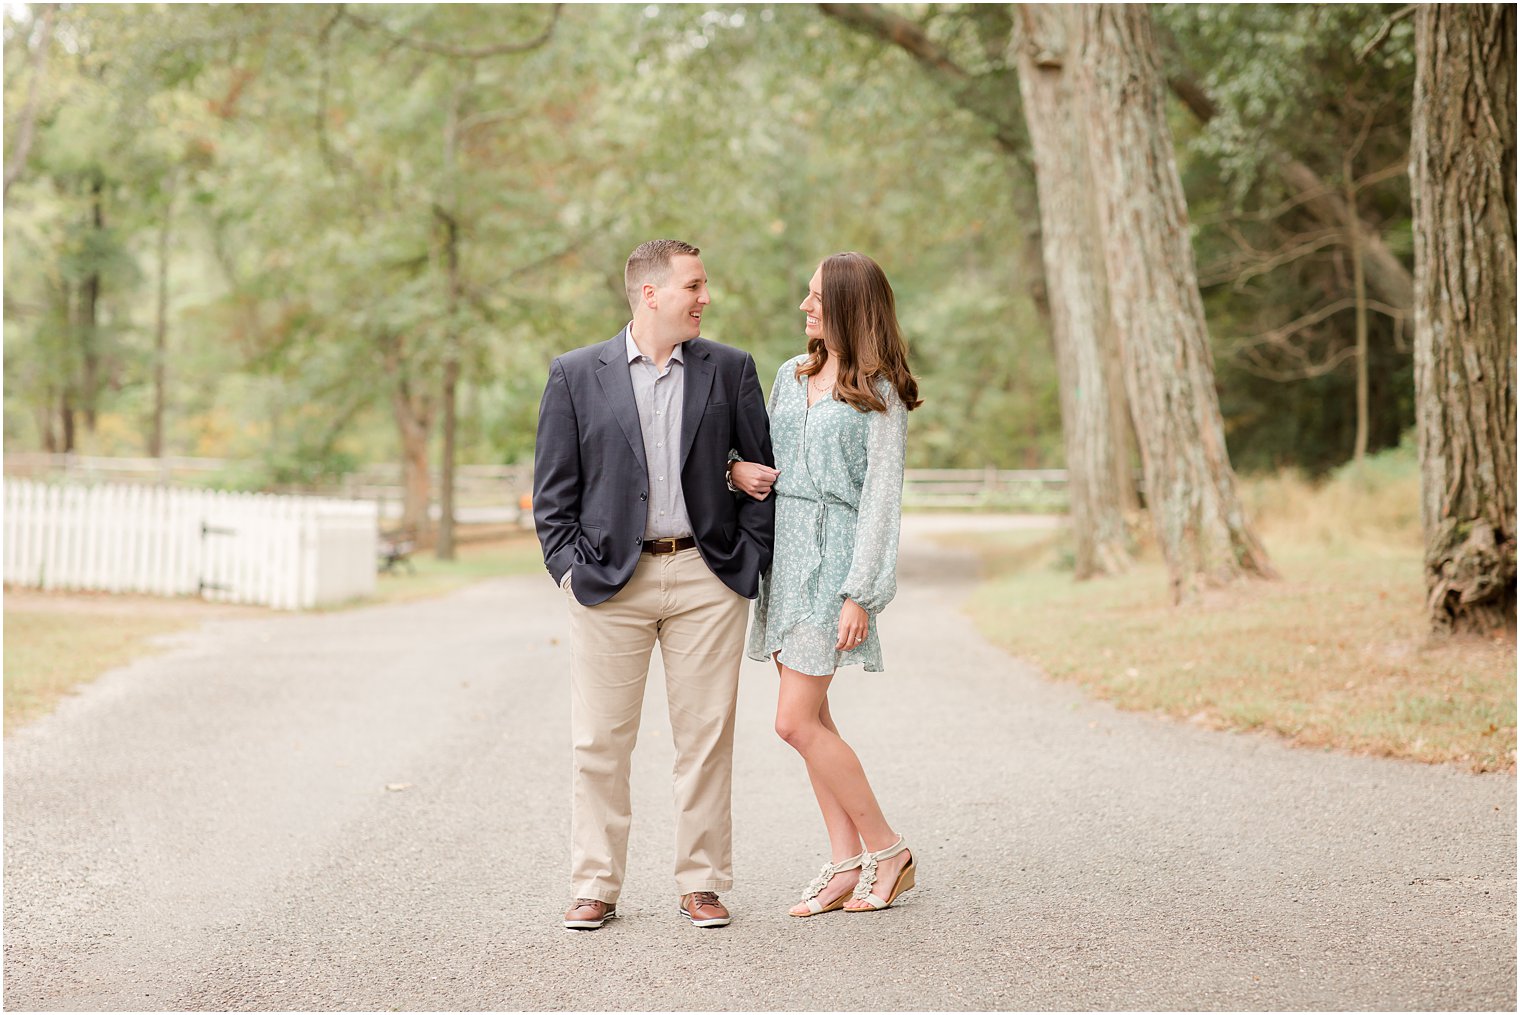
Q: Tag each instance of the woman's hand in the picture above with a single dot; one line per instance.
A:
(852, 626)
(753, 478)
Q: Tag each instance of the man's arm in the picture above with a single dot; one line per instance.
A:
(752, 440)
(557, 475)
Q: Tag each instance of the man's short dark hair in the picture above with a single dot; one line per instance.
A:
(650, 264)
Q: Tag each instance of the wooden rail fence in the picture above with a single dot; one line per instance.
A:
(490, 493)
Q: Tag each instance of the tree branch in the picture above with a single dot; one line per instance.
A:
(1382, 33)
(1279, 336)
(1238, 270)
(29, 114)
(1385, 272)
(879, 23)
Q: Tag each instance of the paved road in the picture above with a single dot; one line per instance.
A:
(213, 829)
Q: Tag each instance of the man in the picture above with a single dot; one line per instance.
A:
(649, 541)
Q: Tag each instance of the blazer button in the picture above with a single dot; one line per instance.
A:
(643, 496)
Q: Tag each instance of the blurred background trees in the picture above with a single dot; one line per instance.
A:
(321, 236)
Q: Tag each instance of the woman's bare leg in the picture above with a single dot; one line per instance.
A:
(834, 767)
(844, 838)
(831, 762)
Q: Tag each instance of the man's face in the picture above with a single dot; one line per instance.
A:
(679, 302)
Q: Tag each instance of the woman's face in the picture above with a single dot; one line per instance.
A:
(813, 306)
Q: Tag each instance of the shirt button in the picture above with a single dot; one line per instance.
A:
(662, 479)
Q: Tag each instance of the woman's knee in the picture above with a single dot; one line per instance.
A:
(798, 731)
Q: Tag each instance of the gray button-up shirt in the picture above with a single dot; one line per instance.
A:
(660, 395)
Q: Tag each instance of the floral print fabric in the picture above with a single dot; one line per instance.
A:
(838, 509)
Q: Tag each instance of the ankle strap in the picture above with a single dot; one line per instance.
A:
(891, 851)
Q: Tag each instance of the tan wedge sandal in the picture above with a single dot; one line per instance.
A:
(821, 882)
(905, 878)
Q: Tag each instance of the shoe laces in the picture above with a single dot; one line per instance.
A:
(704, 898)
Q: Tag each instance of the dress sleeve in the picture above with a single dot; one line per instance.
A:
(872, 581)
(787, 370)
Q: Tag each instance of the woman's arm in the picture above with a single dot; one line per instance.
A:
(872, 580)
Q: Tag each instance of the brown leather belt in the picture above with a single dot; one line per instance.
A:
(668, 544)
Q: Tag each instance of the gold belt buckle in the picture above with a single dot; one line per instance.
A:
(665, 540)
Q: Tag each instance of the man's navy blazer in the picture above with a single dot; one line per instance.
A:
(591, 481)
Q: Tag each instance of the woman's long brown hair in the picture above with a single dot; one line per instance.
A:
(860, 325)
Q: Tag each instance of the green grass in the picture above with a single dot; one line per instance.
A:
(517, 553)
(1334, 654)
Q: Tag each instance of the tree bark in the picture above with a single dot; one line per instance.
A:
(66, 422)
(451, 338)
(89, 325)
(1359, 294)
(1095, 420)
(1153, 290)
(414, 424)
(161, 326)
(1462, 174)
(451, 369)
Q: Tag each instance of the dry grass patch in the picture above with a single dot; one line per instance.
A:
(53, 644)
(1333, 655)
(56, 642)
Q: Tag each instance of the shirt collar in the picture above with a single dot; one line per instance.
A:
(678, 354)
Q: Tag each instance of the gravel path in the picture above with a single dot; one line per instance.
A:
(369, 809)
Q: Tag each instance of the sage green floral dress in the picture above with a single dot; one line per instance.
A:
(838, 508)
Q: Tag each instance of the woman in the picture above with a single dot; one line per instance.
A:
(838, 426)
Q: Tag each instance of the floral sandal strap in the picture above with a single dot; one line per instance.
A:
(818, 884)
(868, 872)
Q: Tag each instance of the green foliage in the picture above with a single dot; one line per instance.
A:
(1291, 82)
(317, 167)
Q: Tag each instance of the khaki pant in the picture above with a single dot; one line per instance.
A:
(699, 622)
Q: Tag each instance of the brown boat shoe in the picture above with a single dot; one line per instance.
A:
(704, 910)
(589, 914)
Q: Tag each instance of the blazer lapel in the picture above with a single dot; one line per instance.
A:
(617, 385)
(698, 370)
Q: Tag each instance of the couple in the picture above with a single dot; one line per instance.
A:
(652, 486)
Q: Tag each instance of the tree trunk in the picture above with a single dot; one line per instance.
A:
(66, 422)
(1462, 176)
(445, 549)
(414, 424)
(451, 364)
(1153, 289)
(1096, 461)
(22, 146)
(89, 325)
(161, 328)
(1359, 294)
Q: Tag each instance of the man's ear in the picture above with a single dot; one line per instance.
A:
(649, 300)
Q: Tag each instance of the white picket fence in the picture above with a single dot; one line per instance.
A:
(286, 552)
